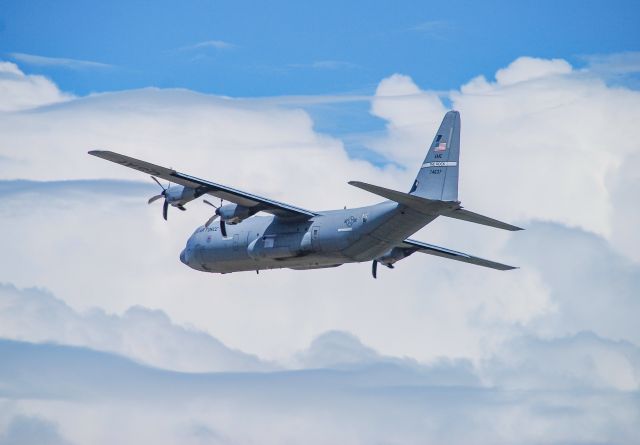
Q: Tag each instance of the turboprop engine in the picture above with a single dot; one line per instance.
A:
(388, 259)
(229, 214)
(176, 196)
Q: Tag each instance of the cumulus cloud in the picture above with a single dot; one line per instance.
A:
(20, 91)
(581, 361)
(591, 286)
(204, 130)
(358, 404)
(509, 134)
(117, 229)
(551, 347)
(146, 335)
(531, 68)
(541, 120)
(412, 117)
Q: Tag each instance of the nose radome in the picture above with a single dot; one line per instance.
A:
(183, 258)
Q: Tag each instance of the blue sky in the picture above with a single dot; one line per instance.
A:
(255, 48)
(273, 48)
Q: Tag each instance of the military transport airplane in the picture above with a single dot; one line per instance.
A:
(296, 238)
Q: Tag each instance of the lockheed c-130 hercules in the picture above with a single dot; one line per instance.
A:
(296, 238)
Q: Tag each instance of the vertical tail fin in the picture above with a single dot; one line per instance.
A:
(438, 175)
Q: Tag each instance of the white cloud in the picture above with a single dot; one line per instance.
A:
(19, 91)
(543, 141)
(74, 64)
(531, 68)
(542, 391)
(581, 361)
(143, 334)
(567, 134)
(215, 44)
(413, 117)
(123, 251)
(591, 286)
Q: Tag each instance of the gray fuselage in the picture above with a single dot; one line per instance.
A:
(328, 239)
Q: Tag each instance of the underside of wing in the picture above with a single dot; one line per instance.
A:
(254, 202)
(418, 246)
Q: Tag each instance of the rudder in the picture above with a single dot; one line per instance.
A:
(438, 175)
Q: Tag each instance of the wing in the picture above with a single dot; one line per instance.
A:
(202, 186)
(417, 246)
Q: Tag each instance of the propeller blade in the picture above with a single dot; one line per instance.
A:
(374, 269)
(165, 207)
(210, 220)
(223, 228)
(154, 198)
(207, 202)
(158, 182)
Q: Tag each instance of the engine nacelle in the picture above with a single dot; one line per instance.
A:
(394, 255)
(234, 213)
(179, 195)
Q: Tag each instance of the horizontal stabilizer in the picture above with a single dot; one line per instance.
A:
(450, 209)
(422, 205)
(466, 215)
(418, 246)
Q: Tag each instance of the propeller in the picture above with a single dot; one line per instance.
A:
(223, 226)
(165, 205)
(374, 267)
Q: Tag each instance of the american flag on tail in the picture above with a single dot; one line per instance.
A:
(442, 146)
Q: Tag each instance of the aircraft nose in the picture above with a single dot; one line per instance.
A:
(183, 257)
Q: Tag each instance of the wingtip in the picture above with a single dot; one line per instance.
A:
(511, 227)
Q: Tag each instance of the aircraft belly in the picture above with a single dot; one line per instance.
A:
(298, 263)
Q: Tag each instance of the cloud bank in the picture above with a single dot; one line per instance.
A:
(20, 91)
(430, 352)
(379, 402)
